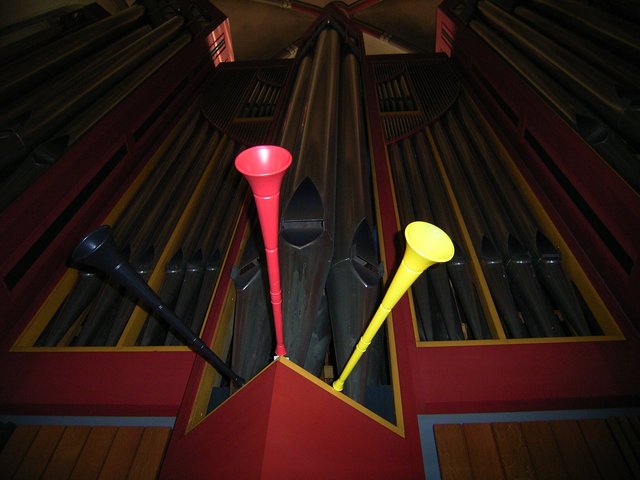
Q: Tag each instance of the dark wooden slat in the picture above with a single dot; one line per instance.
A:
(120, 456)
(483, 452)
(513, 451)
(543, 449)
(67, 452)
(625, 445)
(633, 435)
(453, 456)
(16, 448)
(604, 450)
(37, 457)
(574, 450)
(94, 453)
(148, 459)
(635, 424)
(6, 429)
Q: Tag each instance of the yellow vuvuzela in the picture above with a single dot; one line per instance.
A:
(426, 245)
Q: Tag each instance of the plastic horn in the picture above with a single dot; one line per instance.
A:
(264, 167)
(426, 245)
(98, 250)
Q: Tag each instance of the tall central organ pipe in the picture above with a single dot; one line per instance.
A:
(264, 168)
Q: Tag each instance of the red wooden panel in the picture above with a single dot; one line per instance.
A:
(513, 451)
(16, 448)
(308, 423)
(95, 383)
(483, 452)
(94, 453)
(544, 452)
(283, 423)
(210, 447)
(148, 459)
(604, 450)
(453, 455)
(37, 457)
(67, 452)
(121, 454)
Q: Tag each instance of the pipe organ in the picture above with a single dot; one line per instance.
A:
(515, 138)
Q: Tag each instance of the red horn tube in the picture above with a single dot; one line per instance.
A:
(264, 167)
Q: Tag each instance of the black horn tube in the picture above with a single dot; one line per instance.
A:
(98, 250)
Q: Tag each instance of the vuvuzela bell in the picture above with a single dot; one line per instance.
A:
(264, 167)
(426, 245)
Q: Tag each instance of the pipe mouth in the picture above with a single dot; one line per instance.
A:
(90, 243)
(429, 241)
(263, 160)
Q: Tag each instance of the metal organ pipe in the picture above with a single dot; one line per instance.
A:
(437, 275)
(295, 117)
(149, 238)
(31, 69)
(491, 260)
(426, 246)
(527, 290)
(208, 251)
(618, 68)
(589, 83)
(546, 258)
(56, 110)
(47, 153)
(160, 229)
(431, 324)
(588, 124)
(459, 266)
(182, 270)
(252, 329)
(354, 277)
(308, 193)
(616, 32)
(98, 251)
(66, 79)
(88, 284)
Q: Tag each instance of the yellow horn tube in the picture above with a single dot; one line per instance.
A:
(426, 245)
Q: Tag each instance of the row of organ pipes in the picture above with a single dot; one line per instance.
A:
(329, 259)
(96, 312)
(330, 263)
(583, 61)
(523, 270)
(54, 94)
(325, 251)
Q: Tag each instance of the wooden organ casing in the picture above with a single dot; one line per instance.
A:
(285, 419)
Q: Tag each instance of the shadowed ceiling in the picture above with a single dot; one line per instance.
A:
(262, 29)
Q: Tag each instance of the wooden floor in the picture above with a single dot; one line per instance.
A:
(575, 449)
(80, 452)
